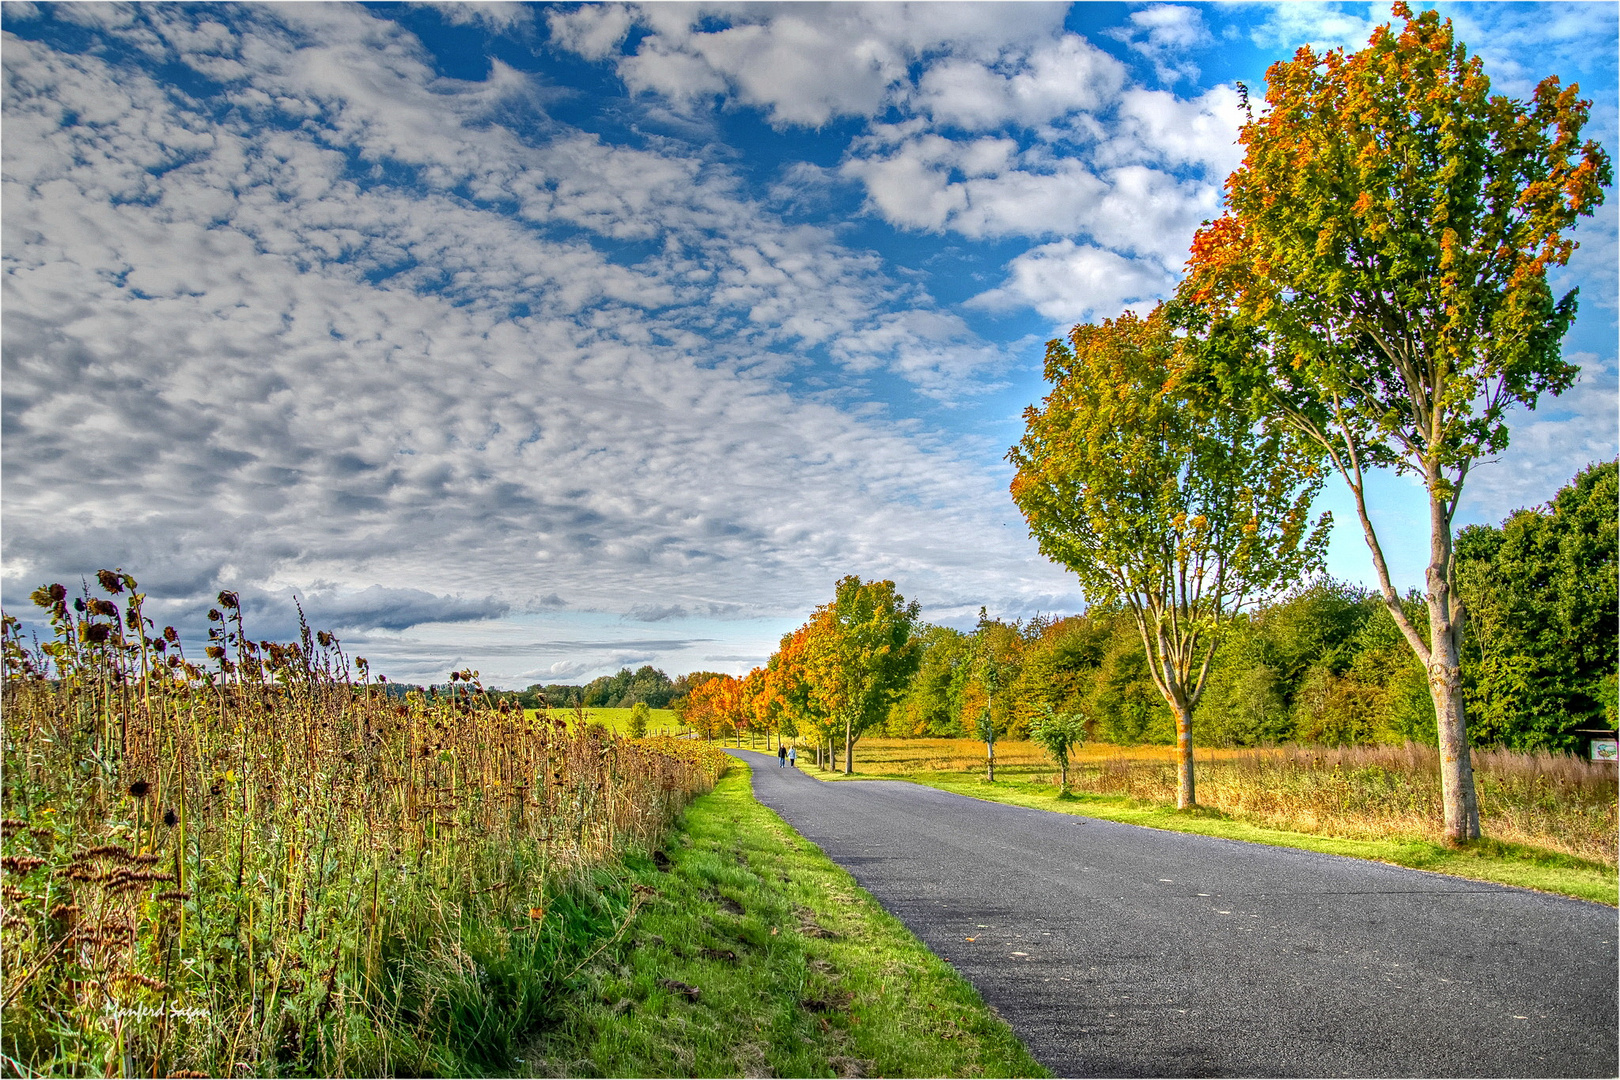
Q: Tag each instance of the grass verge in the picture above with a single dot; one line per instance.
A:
(1502, 863)
(752, 954)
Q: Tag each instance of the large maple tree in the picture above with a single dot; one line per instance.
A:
(1384, 261)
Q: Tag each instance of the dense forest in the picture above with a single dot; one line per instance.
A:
(1324, 664)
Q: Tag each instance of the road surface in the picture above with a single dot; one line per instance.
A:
(1115, 950)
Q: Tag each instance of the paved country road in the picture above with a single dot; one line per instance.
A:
(1116, 950)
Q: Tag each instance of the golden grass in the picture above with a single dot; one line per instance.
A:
(1553, 801)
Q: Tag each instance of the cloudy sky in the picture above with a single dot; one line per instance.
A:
(552, 339)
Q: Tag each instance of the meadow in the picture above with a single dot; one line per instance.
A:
(260, 863)
(617, 721)
(1555, 802)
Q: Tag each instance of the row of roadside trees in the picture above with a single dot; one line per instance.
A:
(1375, 297)
(1325, 663)
(831, 680)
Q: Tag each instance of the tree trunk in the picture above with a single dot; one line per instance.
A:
(990, 754)
(849, 747)
(1186, 793)
(1445, 683)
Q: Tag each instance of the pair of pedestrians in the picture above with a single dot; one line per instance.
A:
(785, 755)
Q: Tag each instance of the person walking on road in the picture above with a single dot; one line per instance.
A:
(793, 756)
(781, 756)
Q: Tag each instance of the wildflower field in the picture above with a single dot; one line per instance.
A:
(265, 863)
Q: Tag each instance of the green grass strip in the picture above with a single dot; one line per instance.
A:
(1484, 860)
(758, 956)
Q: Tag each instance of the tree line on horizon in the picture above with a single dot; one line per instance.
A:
(1324, 664)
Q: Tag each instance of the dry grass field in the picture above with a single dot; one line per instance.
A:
(1553, 801)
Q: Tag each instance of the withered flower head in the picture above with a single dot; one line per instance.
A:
(140, 789)
(214, 615)
(78, 604)
(228, 600)
(58, 593)
(170, 818)
(171, 635)
(110, 581)
(160, 645)
(96, 633)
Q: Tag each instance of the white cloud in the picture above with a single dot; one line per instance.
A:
(235, 358)
(1026, 88)
(803, 65)
(1070, 283)
(1164, 34)
(1156, 127)
(1320, 25)
(985, 188)
(594, 31)
(498, 16)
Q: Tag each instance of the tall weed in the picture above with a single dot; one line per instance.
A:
(270, 863)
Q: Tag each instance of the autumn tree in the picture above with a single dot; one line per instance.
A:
(710, 706)
(864, 657)
(754, 705)
(1164, 498)
(1384, 259)
(802, 709)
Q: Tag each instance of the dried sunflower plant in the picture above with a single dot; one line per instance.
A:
(268, 862)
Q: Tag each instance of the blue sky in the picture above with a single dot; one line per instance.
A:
(551, 339)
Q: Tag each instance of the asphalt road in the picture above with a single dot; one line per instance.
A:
(1115, 950)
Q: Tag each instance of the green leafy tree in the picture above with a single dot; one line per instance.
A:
(930, 706)
(865, 658)
(640, 716)
(1384, 260)
(1058, 733)
(1541, 593)
(1164, 498)
(1059, 665)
